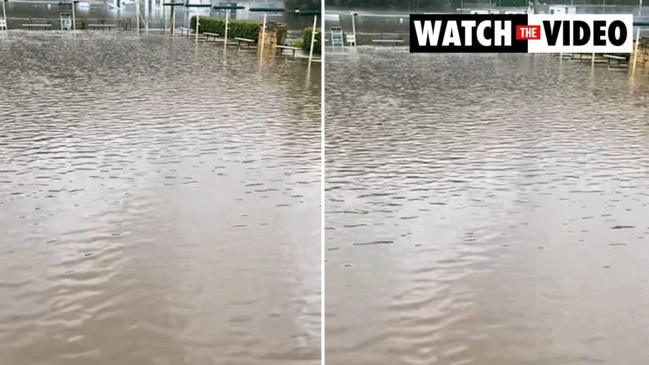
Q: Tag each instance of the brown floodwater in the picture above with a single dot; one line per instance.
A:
(485, 209)
(159, 203)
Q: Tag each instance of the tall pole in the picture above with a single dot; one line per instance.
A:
(637, 40)
(263, 36)
(592, 60)
(354, 27)
(4, 13)
(536, 6)
(225, 36)
(197, 22)
(137, 15)
(74, 19)
(315, 23)
(172, 18)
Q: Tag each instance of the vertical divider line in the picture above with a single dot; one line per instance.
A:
(323, 181)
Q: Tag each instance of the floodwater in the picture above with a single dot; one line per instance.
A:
(485, 209)
(159, 203)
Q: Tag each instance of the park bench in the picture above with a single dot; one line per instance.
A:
(247, 41)
(101, 26)
(387, 41)
(280, 50)
(36, 26)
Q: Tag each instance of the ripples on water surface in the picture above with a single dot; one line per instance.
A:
(485, 210)
(159, 203)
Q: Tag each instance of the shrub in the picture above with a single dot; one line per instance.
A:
(306, 40)
(298, 43)
(237, 28)
(124, 22)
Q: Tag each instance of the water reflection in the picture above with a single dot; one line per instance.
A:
(157, 205)
(484, 209)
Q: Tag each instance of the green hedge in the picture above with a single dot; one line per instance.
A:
(306, 40)
(237, 28)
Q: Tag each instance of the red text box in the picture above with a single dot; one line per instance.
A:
(528, 32)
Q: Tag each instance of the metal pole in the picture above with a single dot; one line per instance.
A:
(197, 22)
(164, 19)
(592, 62)
(354, 28)
(74, 19)
(172, 18)
(225, 39)
(635, 51)
(137, 15)
(637, 40)
(4, 14)
(315, 23)
(263, 36)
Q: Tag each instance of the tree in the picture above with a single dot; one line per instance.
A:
(292, 5)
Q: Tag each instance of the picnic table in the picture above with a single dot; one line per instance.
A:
(280, 50)
(247, 41)
(208, 35)
(101, 26)
(35, 26)
(183, 30)
(387, 41)
(619, 59)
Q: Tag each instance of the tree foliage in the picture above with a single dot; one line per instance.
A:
(306, 40)
(292, 5)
